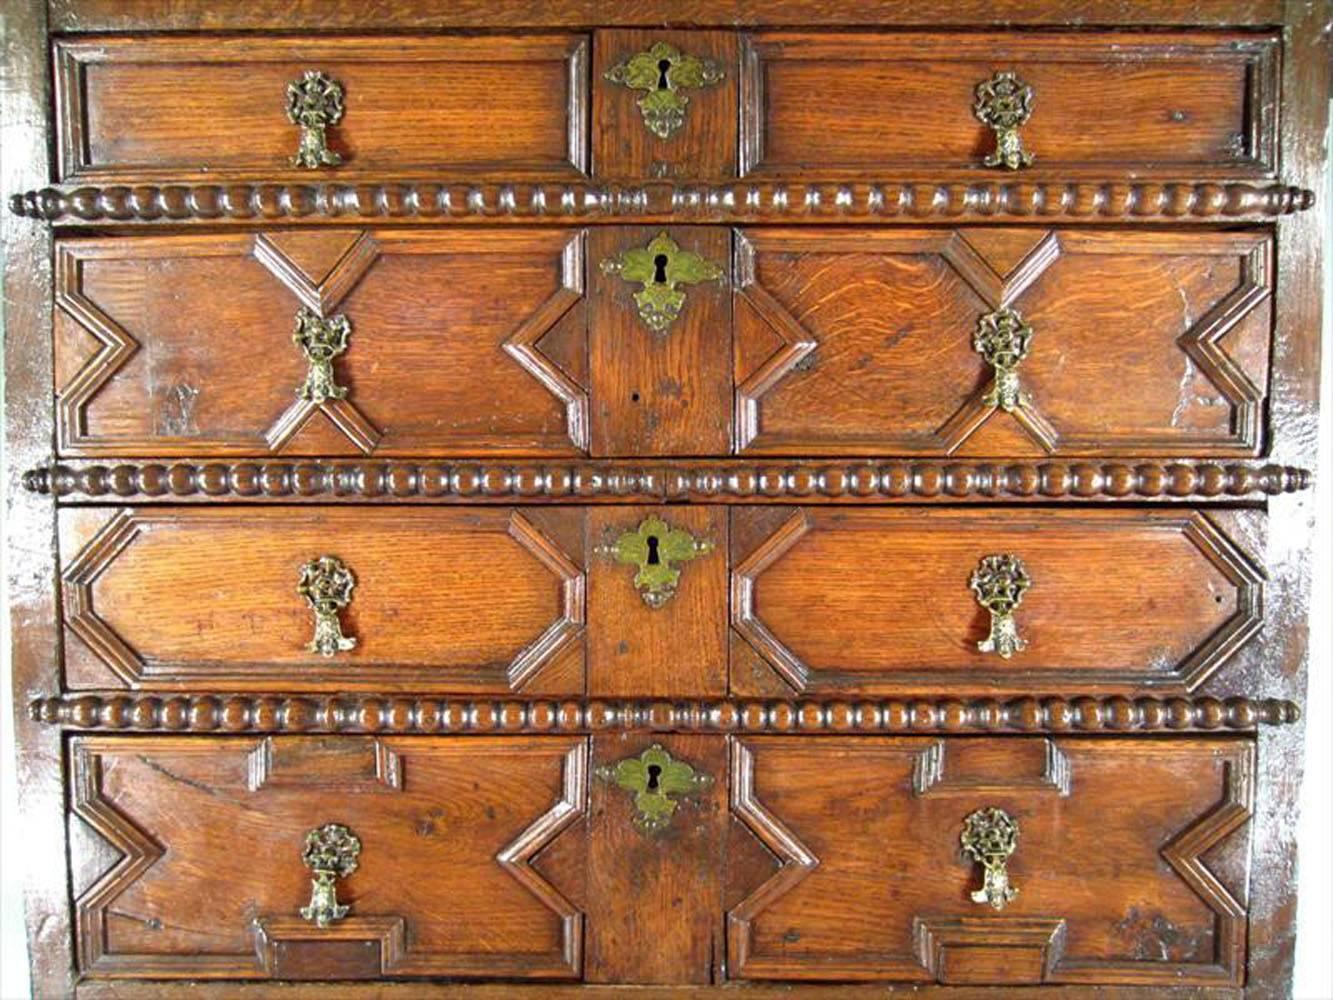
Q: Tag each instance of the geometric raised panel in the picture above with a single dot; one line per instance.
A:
(861, 342)
(210, 879)
(902, 576)
(192, 350)
(1105, 896)
(206, 598)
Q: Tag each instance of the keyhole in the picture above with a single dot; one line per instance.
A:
(652, 558)
(654, 770)
(663, 67)
(659, 268)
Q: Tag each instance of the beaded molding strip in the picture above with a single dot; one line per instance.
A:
(369, 714)
(719, 481)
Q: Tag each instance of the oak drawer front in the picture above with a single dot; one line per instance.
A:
(920, 601)
(336, 342)
(1099, 104)
(195, 107)
(488, 600)
(987, 342)
(445, 877)
(871, 879)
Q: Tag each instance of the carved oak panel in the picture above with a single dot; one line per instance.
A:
(206, 877)
(869, 342)
(458, 343)
(187, 107)
(466, 600)
(1135, 601)
(1101, 105)
(870, 881)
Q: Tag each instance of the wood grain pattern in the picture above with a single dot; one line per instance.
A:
(211, 856)
(655, 901)
(676, 650)
(703, 148)
(902, 576)
(842, 340)
(156, 341)
(207, 597)
(664, 393)
(1103, 894)
(1103, 104)
(131, 108)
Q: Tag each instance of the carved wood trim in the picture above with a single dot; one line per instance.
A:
(1186, 676)
(796, 862)
(930, 775)
(716, 481)
(373, 713)
(1200, 342)
(270, 931)
(1018, 936)
(322, 297)
(817, 200)
(388, 773)
(136, 670)
(139, 853)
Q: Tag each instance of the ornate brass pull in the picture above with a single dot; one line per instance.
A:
(653, 547)
(999, 583)
(321, 340)
(330, 853)
(314, 102)
(662, 71)
(989, 837)
(1002, 338)
(660, 267)
(326, 584)
(1004, 102)
(654, 777)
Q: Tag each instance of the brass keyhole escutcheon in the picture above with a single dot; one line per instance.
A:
(655, 547)
(326, 584)
(999, 582)
(656, 780)
(989, 837)
(330, 852)
(660, 268)
(664, 73)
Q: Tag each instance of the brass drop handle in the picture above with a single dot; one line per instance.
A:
(660, 267)
(655, 778)
(999, 583)
(321, 340)
(663, 72)
(1004, 102)
(326, 584)
(655, 547)
(314, 102)
(330, 853)
(1003, 339)
(989, 838)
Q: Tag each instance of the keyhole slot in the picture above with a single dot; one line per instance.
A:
(659, 269)
(663, 67)
(654, 772)
(653, 558)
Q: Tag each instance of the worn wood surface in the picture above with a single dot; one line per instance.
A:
(132, 108)
(843, 339)
(872, 883)
(207, 598)
(157, 341)
(211, 880)
(655, 900)
(1102, 104)
(659, 392)
(676, 650)
(903, 577)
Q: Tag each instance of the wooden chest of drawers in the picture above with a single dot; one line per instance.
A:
(768, 498)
